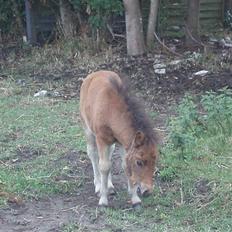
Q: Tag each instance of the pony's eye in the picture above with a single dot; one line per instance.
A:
(140, 163)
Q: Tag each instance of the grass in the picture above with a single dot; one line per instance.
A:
(34, 133)
(193, 189)
(193, 193)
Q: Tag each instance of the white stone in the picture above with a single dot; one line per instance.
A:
(41, 93)
(157, 66)
(201, 73)
(175, 62)
(160, 71)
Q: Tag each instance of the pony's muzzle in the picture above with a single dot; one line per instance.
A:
(146, 190)
(146, 193)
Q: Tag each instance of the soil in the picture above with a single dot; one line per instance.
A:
(53, 213)
(158, 91)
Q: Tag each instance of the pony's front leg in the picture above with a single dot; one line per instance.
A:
(134, 195)
(104, 167)
(132, 190)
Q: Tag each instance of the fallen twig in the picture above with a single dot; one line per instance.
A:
(192, 38)
(202, 206)
(4, 163)
(114, 34)
(167, 48)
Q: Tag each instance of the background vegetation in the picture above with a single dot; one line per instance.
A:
(43, 150)
(193, 186)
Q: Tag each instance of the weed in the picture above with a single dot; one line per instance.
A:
(71, 228)
(39, 143)
(212, 124)
(228, 19)
(184, 128)
(167, 174)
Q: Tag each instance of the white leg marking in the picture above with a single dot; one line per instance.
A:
(93, 155)
(104, 167)
(110, 184)
(122, 152)
(131, 189)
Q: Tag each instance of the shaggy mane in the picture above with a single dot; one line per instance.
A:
(140, 120)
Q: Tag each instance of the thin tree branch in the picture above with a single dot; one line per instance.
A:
(167, 48)
(191, 36)
(114, 34)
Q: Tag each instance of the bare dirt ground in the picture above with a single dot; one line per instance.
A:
(53, 213)
(159, 93)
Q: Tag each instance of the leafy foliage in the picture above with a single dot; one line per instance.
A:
(7, 15)
(184, 128)
(98, 10)
(95, 11)
(228, 19)
(211, 121)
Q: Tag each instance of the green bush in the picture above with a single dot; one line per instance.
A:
(168, 174)
(8, 24)
(207, 123)
(228, 19)
(185, 128)
(218, 108)
(98, 10)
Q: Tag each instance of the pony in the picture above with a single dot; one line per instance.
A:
(109, 116)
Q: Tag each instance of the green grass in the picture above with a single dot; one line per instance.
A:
(34, 133)
(193, 190)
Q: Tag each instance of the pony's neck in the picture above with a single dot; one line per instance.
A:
(123, 131)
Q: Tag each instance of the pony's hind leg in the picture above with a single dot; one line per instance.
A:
(93, 155)
(104, 167)
(111, 189)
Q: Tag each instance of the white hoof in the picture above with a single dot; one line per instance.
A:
(103, 201)
(97, 188)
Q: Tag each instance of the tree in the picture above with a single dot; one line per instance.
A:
(152, 22)
(67, 19)
(134, 28)
(192, 24)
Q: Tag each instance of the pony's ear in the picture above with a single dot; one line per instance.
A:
(139, 138)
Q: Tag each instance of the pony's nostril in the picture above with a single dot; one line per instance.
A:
(139, 190)
(146, 193)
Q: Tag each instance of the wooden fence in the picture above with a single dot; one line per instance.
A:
(172, 16)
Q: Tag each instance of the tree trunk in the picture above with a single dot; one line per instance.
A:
(18, 18)
(30, 20)
(134, 28)
(152, 22)
(67, 19)
(228, 5)
(192, 25)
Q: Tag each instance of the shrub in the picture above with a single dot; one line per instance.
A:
(8, 16)
(228, 19)
(204, 123)
(98, 10)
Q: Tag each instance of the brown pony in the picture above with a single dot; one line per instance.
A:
(110, 116)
